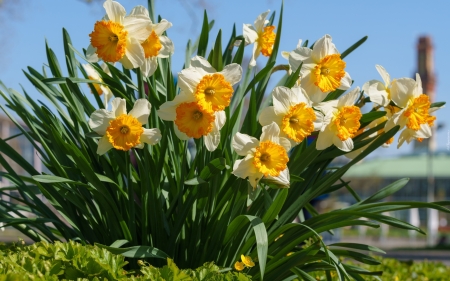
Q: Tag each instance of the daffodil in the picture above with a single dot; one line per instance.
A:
(292, 112)
(414, 114)
(118, 38)
(262, 35)
(100, 88)
(409, 135)
(323, 70)
(266, 157)
(211, 89)
(192, 121)
(156, 45)
(340, 122)
(379, 92)
(123, 131)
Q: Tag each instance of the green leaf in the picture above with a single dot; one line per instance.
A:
(204, 36)
(386, 191)
(358, 247)
(217, 61)
(438, 104)
(353, 47)
(370, 116)
(51, 179)
(136, 251)
(275, 207)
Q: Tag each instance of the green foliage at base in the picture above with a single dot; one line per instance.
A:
(73, 261)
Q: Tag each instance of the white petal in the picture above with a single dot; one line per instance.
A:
(299, 55)
(376, 90)
(322, 48)
(271, 133)
(283, 178)
(384, 75)
(90, 71)
(418, 87)
(167, 47)
(346, 145)
(346, 82)
(324, 140)
(151, 136)
(261, 21)
(299, 95)
(149, 66)
(244, 168)
(220, 119)
(267, 116)
(114, 11)
(141, 110)
(232, 73)
(99, 120)
(140, 11)
(349, 99)
(134, 54)
(180, 134)
(255, 54)
(108, 95)
(162, 26)
(202, 63)
(402, 91)
(167, 111)
(424, 131)
(406, 135)
(138, 27)
(284, 142)
(103, 145)
(282, 97)
(314, 93)
(212, 140)
(91, 54)
(250, 34)
(243, 143)
(188, 79)
(119, 107)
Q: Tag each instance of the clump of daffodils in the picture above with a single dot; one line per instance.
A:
(297, 113)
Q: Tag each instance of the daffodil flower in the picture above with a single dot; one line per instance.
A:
(211, 89)
(156, 45)
(292, 112)
(192, 121)
(409, 135)
(123, 131)
(118, 38)
(323, 70)
(340, 122)
(414, 115)
(262, 35)
(100, 88)
(379, 92)
(266, 157)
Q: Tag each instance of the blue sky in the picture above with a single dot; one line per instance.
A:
(393, 28)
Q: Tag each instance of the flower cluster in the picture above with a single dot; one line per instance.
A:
(246, 261)
(198, 110)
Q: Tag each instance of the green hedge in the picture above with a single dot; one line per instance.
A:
(73, 261)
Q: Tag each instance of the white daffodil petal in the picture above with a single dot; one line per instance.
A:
(346, 145)
(134, 54)
(232, 73)
(91, 54)
(149, 66)
(299, 55)
(180, 134)
(140, 11)
(188, 79)
(376, 90)
(244, 168)
(346, 82)
(322, 48)
(202, 63)
(114, 11)
(282, 179)
(119, 107)
(384, 75)
(212, 140)
(261, 21)
(137, 27)
(284, 142)
(167, 111)
(314, 92)
(267, 116)
(424, 131)
(103, 145)
(167, 47)
(255, 54)
(151, 136)
(270, 133)
(324, 140)
(282, 97)
(418, 87)
(250, 34)
(243, 143)
(402, 91)
(162, 26)
(99, 120)
(349, 99)
(141, 110)
(220, 119)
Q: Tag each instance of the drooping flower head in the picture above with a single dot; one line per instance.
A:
(155, 45)
(340, 122)
(123, 131)
(323, 70)
(118, 38)
(266, 157)
(193, 121)
(292, 112)
(99, 88)
(262, 35)
(211, 89)
(414, 115)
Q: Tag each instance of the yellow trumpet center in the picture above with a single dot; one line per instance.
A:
(297, 124)
(327, 74)
(213, 92)
(417, 112)
(270, 158)
(124, 132)
(193, 120)
(346, 122)
(110, 39)
(152, 45)
(266, 40)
